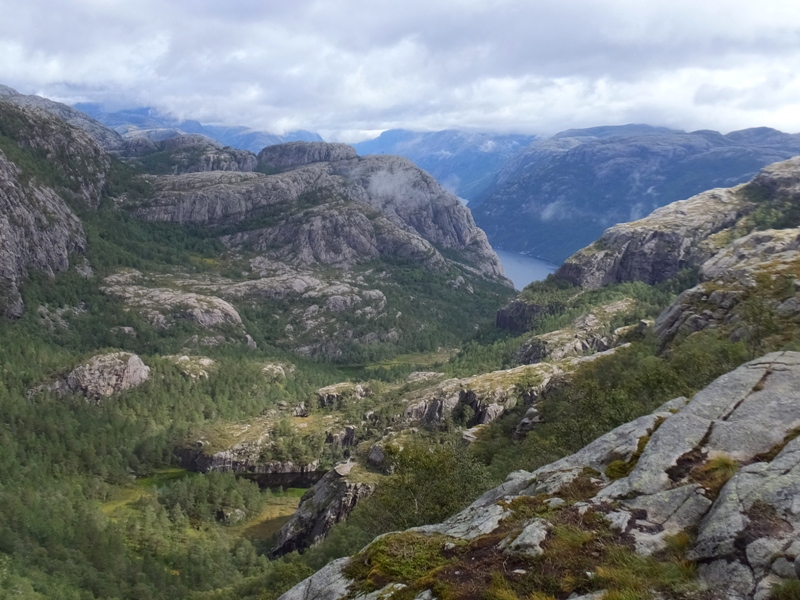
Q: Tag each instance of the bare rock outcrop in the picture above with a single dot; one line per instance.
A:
(243, 457)
(488, 395)
(296, 154)
(164, 306)
(328, 502)
(657, 247)
(38, 231)
(38, 228)
(338, 212)
(749, 289)
(190, 153)
(747, 523)
(587, 334)
(685, 233)
(101, 376)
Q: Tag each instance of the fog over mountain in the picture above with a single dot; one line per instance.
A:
(463, 162)
(149, 122)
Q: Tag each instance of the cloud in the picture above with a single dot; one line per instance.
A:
(353, 67)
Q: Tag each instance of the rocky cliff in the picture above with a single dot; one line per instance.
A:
(748, 290)
(102, 375)
(328, 502)
(339, 212)
(686, 233)
(704, 489)
(43, 164)
(559, 194)
(296, 154)
(463, 162)
(191, 153)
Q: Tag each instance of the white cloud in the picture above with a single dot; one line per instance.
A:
(353, 67)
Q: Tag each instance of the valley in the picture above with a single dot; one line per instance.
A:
(226, 373)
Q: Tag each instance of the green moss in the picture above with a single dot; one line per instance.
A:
(788, 590)
(617, 469)
(399, 558)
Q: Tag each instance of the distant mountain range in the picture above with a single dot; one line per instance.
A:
(464, 163)
(559, 194)
(543, 197)
(150, 123)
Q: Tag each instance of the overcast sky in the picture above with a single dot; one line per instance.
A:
(352, 68)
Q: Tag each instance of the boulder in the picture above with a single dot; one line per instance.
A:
(101, 376)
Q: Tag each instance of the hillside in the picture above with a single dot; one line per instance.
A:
(558, 195)
(225, 372)
(687, 490)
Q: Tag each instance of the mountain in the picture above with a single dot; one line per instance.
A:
(309, 222)
(464, 163)
(39, 228)
(149, 122)
(110, 140)
(685, 234)
(559, 194)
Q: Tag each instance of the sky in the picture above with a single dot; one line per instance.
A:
(350, 69)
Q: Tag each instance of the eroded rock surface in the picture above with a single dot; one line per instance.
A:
(657, 247)
(297, 154)
(101, 376)
(489, 395)
(589, 333)
(748, 289)
(38, 229)
(685, 233)
(164, 306)
(337, 212)
(328, 502)
(190, 153)
(748, 526)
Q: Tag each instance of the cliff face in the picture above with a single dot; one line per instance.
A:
(687, 233)
(296, 154)
(38, 229)
(339, 212)
(101, 376)
(186, 154)
(330, 501)
(748, 290)
(636, 491)
(560, 194)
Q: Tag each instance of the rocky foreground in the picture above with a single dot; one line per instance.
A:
(707, 486)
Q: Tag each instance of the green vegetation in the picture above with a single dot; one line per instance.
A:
(581, 555)
(44, 151)
(606, 393)
(94, 504)
(715, 473)
(788, 590)
(773, 211)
